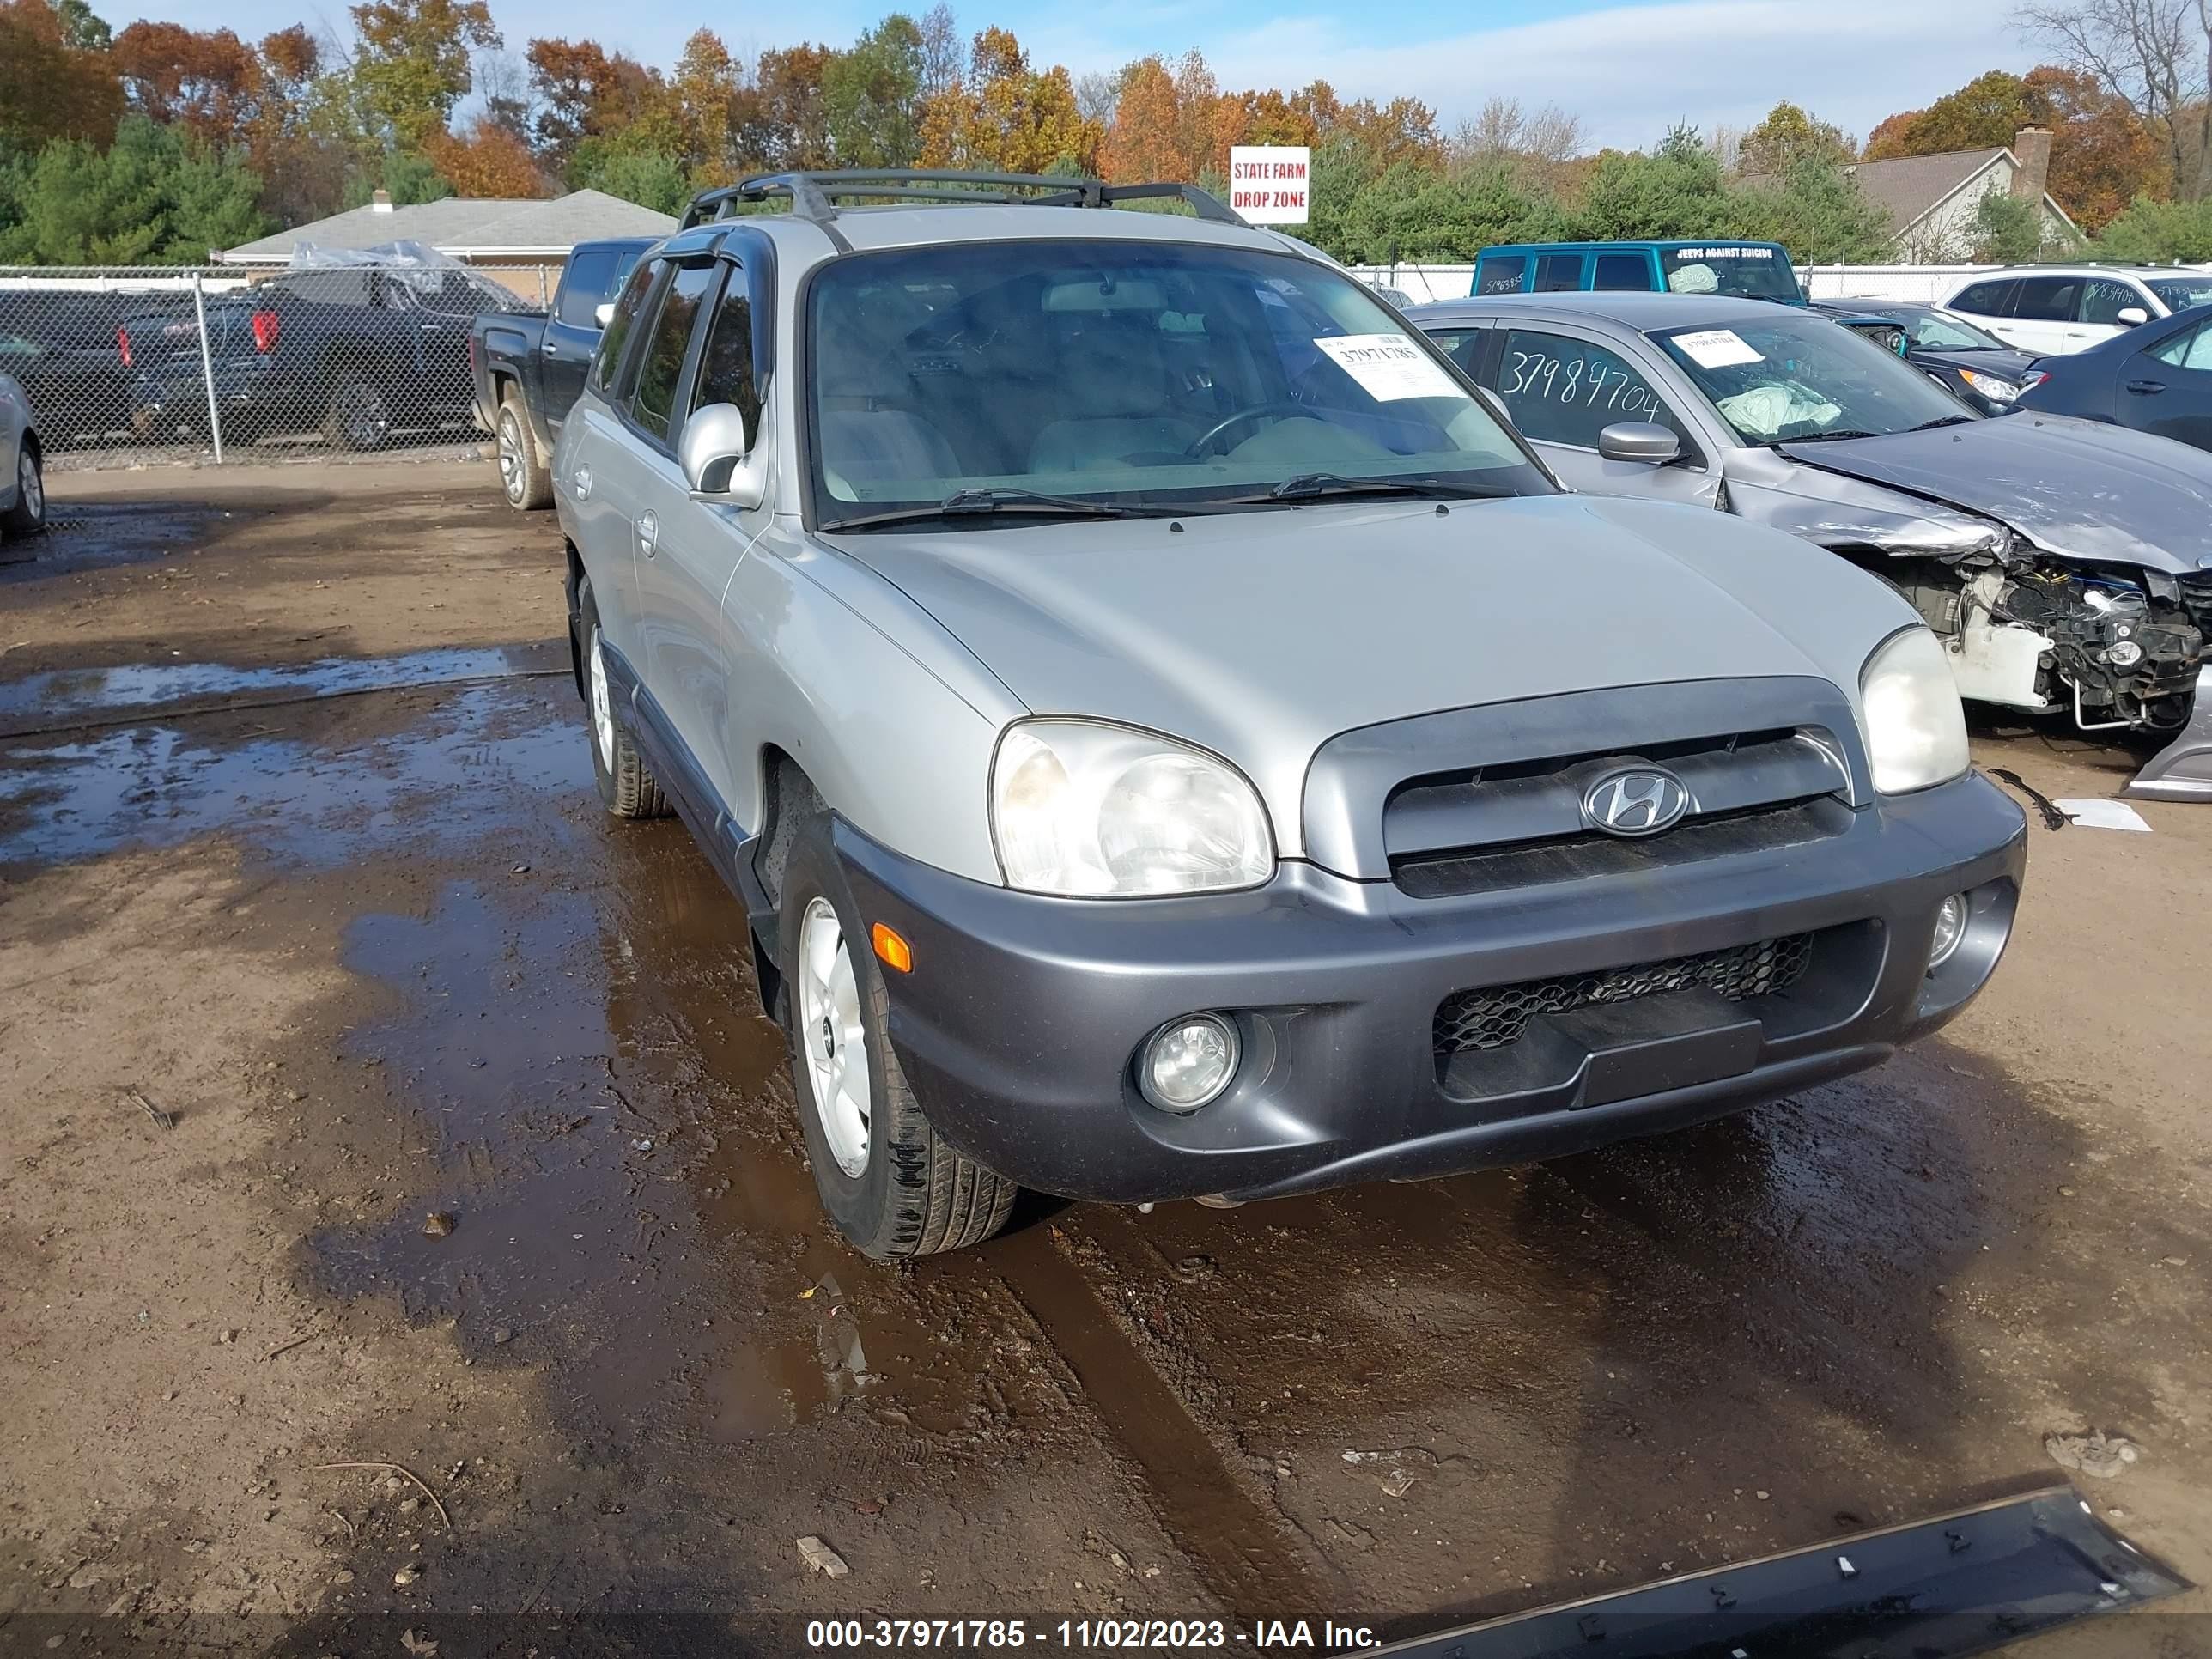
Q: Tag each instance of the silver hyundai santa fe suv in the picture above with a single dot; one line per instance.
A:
(1171, 738)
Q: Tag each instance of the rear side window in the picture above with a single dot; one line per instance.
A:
(1622, 272)
(726, 367)
(1559, 273)
(604, 366)
(1502, 273)
(653, 399)
(2103, 299)
(1564, 391)
(583, 285)
(1987, 299)
(2190, 349)
(2047, 299)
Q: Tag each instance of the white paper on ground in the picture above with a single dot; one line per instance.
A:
(2103, 815)
(1717, 347)
(1390, 367)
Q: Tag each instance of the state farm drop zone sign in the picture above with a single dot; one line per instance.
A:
(1269, 183)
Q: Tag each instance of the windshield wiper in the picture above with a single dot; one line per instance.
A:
(1943, 420)
(1826, 437)
(1306, 485)
(998, 498)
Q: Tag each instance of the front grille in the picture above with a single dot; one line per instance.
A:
(1496, 1016)
(2196, 599)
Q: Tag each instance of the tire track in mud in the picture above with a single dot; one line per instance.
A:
(1245, 1549)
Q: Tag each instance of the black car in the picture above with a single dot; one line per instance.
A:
(2157, 377)
(1980, 368)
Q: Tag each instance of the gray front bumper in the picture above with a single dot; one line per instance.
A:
(1019, 1025)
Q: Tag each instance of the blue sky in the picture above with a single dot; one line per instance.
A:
(1629, 69)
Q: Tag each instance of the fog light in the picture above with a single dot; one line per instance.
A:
(2124, 653)
(1187, 1062)
(1950, 928)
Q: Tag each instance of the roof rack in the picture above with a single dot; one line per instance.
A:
(813, 195)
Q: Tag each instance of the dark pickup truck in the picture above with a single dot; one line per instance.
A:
(355, 352)
(529, 370)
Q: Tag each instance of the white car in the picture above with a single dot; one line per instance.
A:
(2055, 310)
(23, 480)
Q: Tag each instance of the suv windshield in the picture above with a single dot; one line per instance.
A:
(1749, 273)
(2179, 293)
(1118, 376)
(1799, 377)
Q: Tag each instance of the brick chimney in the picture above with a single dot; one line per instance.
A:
(2032, 147)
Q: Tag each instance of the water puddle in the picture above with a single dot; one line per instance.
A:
(51, 700)
(483, 759)
(93, 535)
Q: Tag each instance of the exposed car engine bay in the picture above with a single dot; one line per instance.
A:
(2114, 647)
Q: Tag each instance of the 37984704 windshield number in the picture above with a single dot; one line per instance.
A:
(1577, 381)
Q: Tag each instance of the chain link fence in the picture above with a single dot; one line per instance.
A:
(129, 365)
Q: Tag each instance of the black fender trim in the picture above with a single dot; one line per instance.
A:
(1955, 1584)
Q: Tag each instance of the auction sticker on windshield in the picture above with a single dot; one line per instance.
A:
(1390, 367)
(1717, 348)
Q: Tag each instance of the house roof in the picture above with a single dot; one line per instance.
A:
(1913, 187)
(464, 225)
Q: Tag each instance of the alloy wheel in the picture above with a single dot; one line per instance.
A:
(831, 1036)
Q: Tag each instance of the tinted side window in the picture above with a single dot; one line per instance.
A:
(1986, 299)
(1628, 272)
(1562, 390)
(725, 367)
(1501, 274)
(2047, 299)
(583, 285)
(633, 293)
(2103, 299)
(1559, 273)
(652, 400)
(2190, 349)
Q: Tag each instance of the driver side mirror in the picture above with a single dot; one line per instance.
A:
(2131, 316)
(718, 464)
(604, 313)
(1642, 441)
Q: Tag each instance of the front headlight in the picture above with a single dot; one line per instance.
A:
(1996, 388)
(1090, 811)
(1916, 728)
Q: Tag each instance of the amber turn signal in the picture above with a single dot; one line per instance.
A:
(894, 952)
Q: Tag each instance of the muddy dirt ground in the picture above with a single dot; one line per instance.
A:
(480, 1170)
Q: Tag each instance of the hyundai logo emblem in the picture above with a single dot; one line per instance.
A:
(1636, 800)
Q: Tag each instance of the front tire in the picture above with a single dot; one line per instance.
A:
(893, 1186)
(627, 787)
(524, 478)
(28, 517)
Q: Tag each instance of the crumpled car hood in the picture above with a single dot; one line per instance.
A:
(2081, 489)
(1260, 635)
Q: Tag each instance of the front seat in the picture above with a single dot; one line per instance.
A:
(1115, 382)
(870, 433)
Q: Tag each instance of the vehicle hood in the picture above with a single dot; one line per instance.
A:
(1261, 635)
(2081, 489)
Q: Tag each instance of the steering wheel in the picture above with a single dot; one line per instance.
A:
(1200, 445)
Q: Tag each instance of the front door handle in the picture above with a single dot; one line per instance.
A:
(551, 348)
(649, 532)
(2147, 388)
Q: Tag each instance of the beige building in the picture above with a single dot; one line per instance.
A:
(1932, 199)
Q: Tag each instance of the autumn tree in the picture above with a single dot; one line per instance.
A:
(1787, 136)
(787, 120)
(705, 95)
(1005, 117)
(584, 92)
(412, 62)
(211, 84)
(2155, 56)
(51, 87)
(491, 160)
